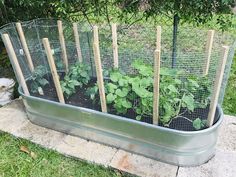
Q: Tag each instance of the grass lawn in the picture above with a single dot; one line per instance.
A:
(229, 104)
(22, 158)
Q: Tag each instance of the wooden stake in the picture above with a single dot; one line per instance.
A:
(217, 86)
(114, 45)
(15, 63)
(210, 37)
(25, 47)
(98, 66)
(156, 85)
(77, 42)
(158, 38)
(53, 70)
(63, 45)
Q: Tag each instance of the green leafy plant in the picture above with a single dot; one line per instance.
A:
(92, 92)
(119, 92)
(68, 86)
(199, 124)
(78, 75)
(179, 92)
(201, 90)
(38, 79)
(80, 72)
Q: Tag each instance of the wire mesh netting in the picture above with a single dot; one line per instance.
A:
(184, 93)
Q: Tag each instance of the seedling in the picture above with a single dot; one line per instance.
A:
(78, 75)
(38, 80)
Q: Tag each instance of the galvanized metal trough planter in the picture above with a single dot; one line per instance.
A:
(43, 44)
(183, 148)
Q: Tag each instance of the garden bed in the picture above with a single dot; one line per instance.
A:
(81, 99)
(164, 107)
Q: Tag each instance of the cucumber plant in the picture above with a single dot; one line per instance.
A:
(179, 92)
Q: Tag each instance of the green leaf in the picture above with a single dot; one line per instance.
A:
(146, 82)
(165, 119)
(178, 82)
(122, 93)
(110, 98)
(142, 92)
(168, 112)
(138, 110)
(199, 124)
(138, 117)
(172, 88)
(71, 85)
(68, 92)
(111, 87)
(194, 83)
(34, 87)
(188, 102)
(115, 76)
(143, 69)
(126, 104)
(43, 82)
(168, 72)
(122, 82)
(105, 73)
(83, 74)
(76, 83)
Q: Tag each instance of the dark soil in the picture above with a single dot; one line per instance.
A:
(183, 124)
(82, 100)
(77, 99)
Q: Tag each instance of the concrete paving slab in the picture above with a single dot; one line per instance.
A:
(222, 165)
(227, 134)
(12, 117)
(40, 135)
(142, 166)
(86, 150)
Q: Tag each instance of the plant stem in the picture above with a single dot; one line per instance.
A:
(185, 118)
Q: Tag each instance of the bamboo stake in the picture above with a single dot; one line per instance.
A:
(77, 42)
(217, 85)
(25, 47)
(114, 45)
(53, 70)
(98, 66)
(63, 45)
(156, 86)
(15, 63)
(158, 38)
(210, 37)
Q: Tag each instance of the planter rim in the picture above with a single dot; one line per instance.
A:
(180, 132)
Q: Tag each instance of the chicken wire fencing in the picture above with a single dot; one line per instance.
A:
(187, 82)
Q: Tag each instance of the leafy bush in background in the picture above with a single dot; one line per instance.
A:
(197, 11)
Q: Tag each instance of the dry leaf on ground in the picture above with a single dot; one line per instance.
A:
(24, 149)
